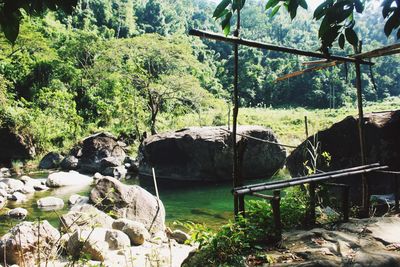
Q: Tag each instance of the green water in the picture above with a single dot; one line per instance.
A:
(211, 204)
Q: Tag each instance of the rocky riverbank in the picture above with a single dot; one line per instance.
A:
(117, 225)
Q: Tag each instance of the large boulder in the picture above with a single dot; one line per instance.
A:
(341, 141)
(71, 178)
(205, 154)
(15, 146)
(100, 151)
(26, 241)
(129, 201)
(51, 161)
(84, 217)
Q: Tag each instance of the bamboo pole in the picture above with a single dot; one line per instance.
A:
(240, 41)
(364, 181)
(236, 181)
(305, 181)
(313, 176)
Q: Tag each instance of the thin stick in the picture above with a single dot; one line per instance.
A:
(155, 183)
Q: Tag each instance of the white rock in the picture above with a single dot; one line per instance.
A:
(17, 196)
(84, 217)
(13, 184)
(96, 242)
(24, 239)
(17, 213)
(50, 203)
(135, 230)
(27, 189)
(59, 179)
(78, 200)
(3, 186)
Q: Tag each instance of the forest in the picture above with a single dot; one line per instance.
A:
(129, 66)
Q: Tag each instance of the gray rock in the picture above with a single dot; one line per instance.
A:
(3, 186)
(12, 184)
(27, 189)
(96, 242)
(132, 165)
(116, 172)
(3, 201)
(51, 161)
(50, 203)
(117, 239)
(100, 150)
(131, 202)
(205, 154)
(29, 239)
(84, 217)
(77, 200)
(69, 163)
(17, 197)
(341, 142)
(5, 172)
(136, 231)
(180, 236)
(59, 179)
(3, 193)
(17, 213)
(91, 242)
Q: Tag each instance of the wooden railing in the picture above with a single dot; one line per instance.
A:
(325, 178)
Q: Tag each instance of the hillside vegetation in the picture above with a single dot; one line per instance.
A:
(129, 67)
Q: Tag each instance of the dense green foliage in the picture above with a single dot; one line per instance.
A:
(249, 235)
(127, 66)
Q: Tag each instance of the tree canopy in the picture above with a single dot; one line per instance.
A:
(337, 18)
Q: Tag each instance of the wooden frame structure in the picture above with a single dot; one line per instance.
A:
(328, 61)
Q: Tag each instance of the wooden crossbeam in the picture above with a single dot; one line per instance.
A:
(383, 51)
(301, 72)
(260, 45)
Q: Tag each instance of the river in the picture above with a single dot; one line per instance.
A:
(211, 204)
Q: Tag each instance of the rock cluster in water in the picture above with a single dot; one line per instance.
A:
(99, 153)
(136, 230)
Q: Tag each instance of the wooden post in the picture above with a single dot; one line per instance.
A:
(241, 148)
(396, 192)
(365, 191)
(306, 126)
(312, 204)
(275, 203)
(236, 180)
(346, 204)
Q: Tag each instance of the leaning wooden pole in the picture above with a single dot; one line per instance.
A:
(238, 205)
(364, 183)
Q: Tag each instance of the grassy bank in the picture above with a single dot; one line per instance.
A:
(287, 123)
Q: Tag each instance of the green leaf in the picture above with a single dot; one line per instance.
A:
(271, 3)
(324, 27)
(220, 8)
(226, 11)
(238, 4)
(392, 23)
(320, 11)
(351, 36)
(386, 7)
(303, 4)
(359, 6)
(341, 41)
(274, 11)
(292, 8)
(10, 26)
(226, 23)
